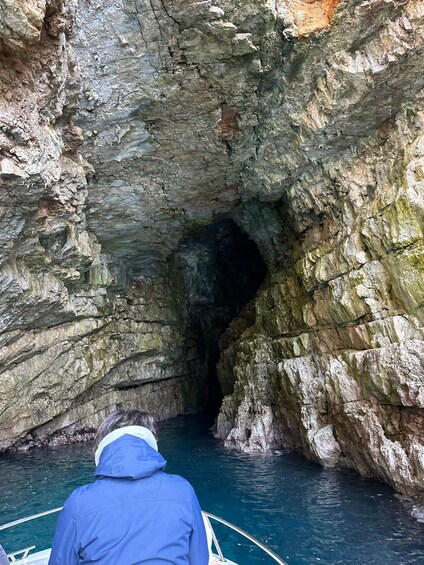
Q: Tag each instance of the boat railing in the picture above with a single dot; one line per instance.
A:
(259, 544)
(208, 516)
(29, 518)
(21, 554)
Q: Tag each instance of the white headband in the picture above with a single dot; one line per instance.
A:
(137, 431)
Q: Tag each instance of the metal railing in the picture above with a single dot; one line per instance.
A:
(221, 557)
(21, 554)
(29, 518)
(208, 515)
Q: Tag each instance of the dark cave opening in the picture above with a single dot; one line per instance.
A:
(223, 270)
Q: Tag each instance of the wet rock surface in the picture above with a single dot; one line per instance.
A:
(126, 129)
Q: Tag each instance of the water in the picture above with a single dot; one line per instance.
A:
(304, 513)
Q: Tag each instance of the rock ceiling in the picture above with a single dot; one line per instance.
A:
(190, 109)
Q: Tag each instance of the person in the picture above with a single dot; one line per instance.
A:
(134, 513)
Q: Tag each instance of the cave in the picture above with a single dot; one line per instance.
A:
(135, 165)
(222, 269)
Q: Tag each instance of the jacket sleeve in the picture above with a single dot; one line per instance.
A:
(199, 552)
(64, 548)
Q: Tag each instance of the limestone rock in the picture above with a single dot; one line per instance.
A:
(349, 384)
(21, 21)
(129, 127)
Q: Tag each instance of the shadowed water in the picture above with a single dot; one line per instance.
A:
(303, 512)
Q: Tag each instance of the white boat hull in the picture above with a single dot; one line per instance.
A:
(39, 558)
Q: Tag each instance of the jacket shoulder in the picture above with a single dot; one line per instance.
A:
(161, 485)
(177, 486)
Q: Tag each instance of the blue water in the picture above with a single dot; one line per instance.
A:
(304, 513)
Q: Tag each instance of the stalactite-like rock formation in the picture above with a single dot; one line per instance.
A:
(133, 135)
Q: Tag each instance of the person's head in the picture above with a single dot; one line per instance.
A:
(122, 419)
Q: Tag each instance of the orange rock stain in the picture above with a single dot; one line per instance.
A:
(311, 16)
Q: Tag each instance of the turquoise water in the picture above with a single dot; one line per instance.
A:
(305, 513)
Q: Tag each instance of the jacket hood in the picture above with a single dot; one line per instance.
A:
(129, 457)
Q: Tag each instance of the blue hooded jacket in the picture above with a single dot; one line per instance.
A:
(133, 514)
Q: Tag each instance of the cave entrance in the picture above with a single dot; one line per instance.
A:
(222, 270)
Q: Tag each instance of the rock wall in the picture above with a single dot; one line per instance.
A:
(330, 362)
(117, 125)
(79, 336)
(117, 351)
(127, 128)
(328, 358)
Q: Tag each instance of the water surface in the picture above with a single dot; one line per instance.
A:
(303, 512)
